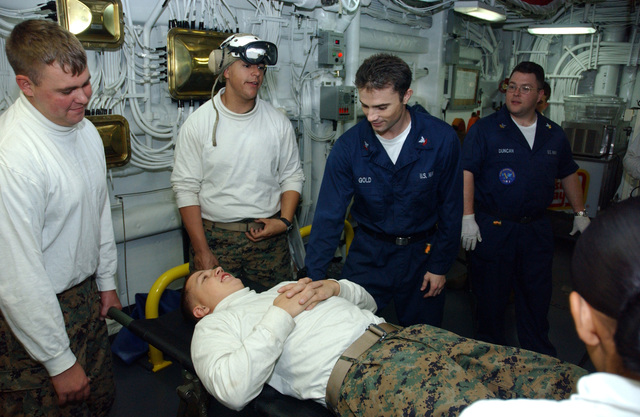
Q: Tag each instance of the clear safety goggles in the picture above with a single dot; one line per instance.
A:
(257, 52)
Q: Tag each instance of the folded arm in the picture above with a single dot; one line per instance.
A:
(234, 367)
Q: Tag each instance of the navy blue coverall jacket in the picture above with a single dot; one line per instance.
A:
(421, 190)
(513, 186)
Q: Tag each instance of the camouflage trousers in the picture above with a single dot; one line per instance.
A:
(426, 371)
(260, 265)
(25, 386)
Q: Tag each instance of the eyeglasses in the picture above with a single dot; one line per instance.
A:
(524, 89)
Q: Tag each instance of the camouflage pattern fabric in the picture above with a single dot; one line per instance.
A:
(25, 385)
(260, 265)
(426, 371)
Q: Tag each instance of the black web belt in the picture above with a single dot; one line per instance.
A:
(399, 240)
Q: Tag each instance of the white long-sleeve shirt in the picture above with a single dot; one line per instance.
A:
(599, 395)
(631, 159)
(247, 342)
(55, 227)
(256, 159)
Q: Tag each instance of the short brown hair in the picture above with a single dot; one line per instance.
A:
(384, 70)
(35, 43)
(186, 302)
(528, 67)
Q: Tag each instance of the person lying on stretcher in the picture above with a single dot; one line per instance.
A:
(293, 335)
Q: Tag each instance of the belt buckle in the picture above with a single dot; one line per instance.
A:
(377, 330)
(402, 241)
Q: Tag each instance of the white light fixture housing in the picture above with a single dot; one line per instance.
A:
(559, 29)
(480, 10)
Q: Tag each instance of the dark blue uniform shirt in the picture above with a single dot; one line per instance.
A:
(423, 188)
(510, 178)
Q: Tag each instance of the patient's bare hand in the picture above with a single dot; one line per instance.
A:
(297, 287)
(292, 305)
(313, 291)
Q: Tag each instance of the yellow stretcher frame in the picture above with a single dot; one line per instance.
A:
(348, 233)
(151, 310)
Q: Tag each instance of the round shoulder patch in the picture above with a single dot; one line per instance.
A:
(507, 176)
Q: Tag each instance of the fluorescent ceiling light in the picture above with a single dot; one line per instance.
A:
(480, 10)
(580, 29)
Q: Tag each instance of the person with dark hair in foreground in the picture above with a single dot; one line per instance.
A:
(605, 305)
(304, 339)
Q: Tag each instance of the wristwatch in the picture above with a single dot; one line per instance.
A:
(287, 223)
(581, 213)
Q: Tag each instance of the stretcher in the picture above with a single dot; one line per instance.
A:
(170, 335)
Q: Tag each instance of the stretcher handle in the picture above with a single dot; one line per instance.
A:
(119, 316)
(152, 306)
(348, 233)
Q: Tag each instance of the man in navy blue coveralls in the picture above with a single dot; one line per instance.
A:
(402, 168)
(511, 160)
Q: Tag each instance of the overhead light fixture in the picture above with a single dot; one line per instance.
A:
(98, 24)
(116, 139)
(480, 10)
(558, 29)
(188, 75)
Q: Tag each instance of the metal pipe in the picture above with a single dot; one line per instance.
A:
(607, 77)
(387, 41)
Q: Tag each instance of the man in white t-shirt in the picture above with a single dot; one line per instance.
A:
(57, 248)
(237, 174)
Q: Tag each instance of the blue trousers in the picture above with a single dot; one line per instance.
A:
(391, 272)
(518, 257)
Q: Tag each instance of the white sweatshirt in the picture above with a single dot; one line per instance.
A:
(247, 342)
(55, 227)
(255, 161)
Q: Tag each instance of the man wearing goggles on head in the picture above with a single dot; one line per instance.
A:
(253, 52)
(237, 174)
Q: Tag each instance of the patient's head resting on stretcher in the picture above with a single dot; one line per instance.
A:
(204, 289)
(605, 303)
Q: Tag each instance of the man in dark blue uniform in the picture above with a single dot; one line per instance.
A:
(402, 168)
(511, 160)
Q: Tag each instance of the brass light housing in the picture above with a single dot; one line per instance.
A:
(98, 24)
(188, 72)
(114, 131)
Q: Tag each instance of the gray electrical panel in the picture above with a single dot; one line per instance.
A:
(337, 102)
(330, 48)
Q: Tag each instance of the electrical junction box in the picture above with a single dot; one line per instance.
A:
(330, 48)
(337, 102)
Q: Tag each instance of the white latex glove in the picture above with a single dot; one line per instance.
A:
(470, 232)
(579, 224)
